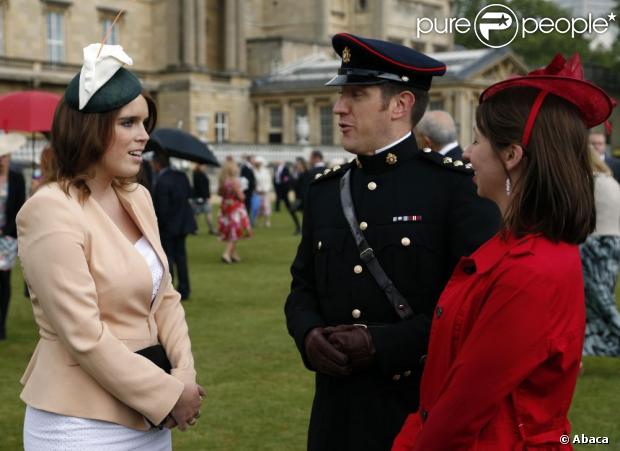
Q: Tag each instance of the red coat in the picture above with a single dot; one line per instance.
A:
(504, 351)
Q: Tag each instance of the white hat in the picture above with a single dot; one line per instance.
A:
(10, 142)
(99, 67)
(261, 160)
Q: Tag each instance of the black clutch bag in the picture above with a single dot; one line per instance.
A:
(157, 355)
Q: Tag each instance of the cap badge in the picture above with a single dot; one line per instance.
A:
(346, 55)
(391, 158)
(404, 78)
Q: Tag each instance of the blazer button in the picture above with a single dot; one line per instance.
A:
(396, 377)
(319, 245)
(356, 313)
(357, 269)
(407, 373)
(405, 241)
(422, 360)
(372, 186)
(438, 312)
(363, 225)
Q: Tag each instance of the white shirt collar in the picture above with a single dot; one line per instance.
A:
(393, 144)
(448, 147)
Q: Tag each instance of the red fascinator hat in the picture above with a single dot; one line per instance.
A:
(564, 79)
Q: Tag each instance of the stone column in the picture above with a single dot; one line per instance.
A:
(201, 33)
(322, 21)
(230, 47)
(189, 33)
(240, 36)
(173, 42)
(378, 24)
(288, 124)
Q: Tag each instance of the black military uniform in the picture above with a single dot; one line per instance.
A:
(420, 213)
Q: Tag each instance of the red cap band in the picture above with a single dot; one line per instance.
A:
(529, 125)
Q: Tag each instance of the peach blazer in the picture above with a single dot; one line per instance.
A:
(91, 297)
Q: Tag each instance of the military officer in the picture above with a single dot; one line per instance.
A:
(418, 212)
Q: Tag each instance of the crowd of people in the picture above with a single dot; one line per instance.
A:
(444, 296)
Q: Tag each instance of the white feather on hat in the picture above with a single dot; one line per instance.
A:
(99, 67)
(10, 142)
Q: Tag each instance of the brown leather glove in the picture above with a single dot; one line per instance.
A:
(323, 356)
(355, 342)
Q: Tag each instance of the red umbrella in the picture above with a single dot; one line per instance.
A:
(28, 111)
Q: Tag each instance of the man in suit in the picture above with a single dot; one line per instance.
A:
(249, 184)
(599, 144)
(202, 194)
(437, 131)
(174, 216)
(419, 213)
(283, 183)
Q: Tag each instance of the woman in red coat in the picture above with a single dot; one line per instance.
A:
(507, 332)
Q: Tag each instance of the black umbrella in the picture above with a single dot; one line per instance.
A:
(181, 145)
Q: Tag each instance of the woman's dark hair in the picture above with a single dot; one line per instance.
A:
(79, 140)
(555, 194)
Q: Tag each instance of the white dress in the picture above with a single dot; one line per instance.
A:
(47, 431)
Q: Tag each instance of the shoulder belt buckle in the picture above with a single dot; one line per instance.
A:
(367, 254)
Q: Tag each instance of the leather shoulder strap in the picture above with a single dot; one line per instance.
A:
(396, 299)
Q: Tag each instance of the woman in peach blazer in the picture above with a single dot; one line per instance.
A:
(97, 294)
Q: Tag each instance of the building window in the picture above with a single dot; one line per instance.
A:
(113, 38)
(275, 117)
(202, 125)
(55, 37)
(275, 125)
(221, 127)
(327, 125)
(419, 46)
(361, 5)
(436, 104)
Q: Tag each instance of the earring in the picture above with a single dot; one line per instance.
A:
(508, 186)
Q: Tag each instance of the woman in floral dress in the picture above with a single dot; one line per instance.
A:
(234, 222)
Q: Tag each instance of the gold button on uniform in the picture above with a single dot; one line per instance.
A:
(357, 269)
(396, 377)
(363, 225)
(372, 186)
(405, 241)
(407, 373)
(319, 245)
(318, 176)
(356, 313)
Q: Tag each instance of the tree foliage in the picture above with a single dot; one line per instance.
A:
(538, 49)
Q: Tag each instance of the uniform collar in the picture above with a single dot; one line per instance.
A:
(389, 158)
(392, 144)
(493, 251)
(448, 147)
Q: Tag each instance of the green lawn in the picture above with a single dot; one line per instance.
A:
(259, 394)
